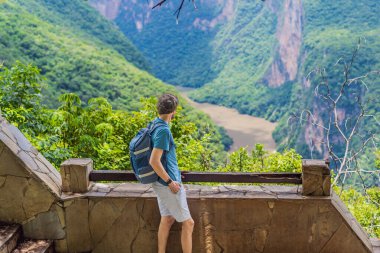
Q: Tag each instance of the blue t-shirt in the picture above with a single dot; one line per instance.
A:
(162, 138)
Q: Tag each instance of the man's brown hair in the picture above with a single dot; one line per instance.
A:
(167, 103)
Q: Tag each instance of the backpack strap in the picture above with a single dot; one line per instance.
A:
(153, 126)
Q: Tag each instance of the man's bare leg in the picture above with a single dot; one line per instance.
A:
(163, 232)
(186, 236)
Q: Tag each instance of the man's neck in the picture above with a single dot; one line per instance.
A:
(165, 117)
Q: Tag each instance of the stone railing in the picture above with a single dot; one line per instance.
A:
(86, 216)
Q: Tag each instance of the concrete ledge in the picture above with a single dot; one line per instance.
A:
(132, 190)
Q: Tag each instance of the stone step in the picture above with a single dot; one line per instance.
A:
(9, 235)
(34, 246)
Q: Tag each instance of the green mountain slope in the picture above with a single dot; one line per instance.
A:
(72, 59)
(244, 49)
(79, 51)
(82, 19)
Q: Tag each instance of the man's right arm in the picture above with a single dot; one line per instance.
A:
(155, 162)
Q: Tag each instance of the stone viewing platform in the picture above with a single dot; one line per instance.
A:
(192, 191)
(79, 215)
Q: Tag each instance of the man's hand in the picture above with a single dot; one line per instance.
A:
(174, 186)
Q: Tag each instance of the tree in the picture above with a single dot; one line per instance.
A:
(20, 97)
(344, 138)
(347, 141)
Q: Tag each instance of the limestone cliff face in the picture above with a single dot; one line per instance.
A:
(289, 35)
(225, 15)
(108, 8)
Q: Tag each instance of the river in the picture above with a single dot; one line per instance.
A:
(245, 130)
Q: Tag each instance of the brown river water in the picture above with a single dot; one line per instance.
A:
(245, 130)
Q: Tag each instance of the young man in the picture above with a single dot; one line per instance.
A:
(171, 195)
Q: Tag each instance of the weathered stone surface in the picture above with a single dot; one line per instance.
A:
(245, 217)
(376, 245)
(2, 146)
(9, 235)
(60, 246)
(132, 187)
(2, 180)
(9, 142)
(75, 175)
(36, 198)
(77, 227)
(260, 218)
(19, 158)
(5, 129)
(103, 214)
(50, 184)
(61, 214)
(19, 138)
(10, 166)
(34, 246)
(44, 226)
(260, 236)
(6, 135)
(344, 241)
(316, 179)
(11, 199)
(46, 167)
(130, 224)
(350, 220)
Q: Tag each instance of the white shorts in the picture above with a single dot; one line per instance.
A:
(172, 204)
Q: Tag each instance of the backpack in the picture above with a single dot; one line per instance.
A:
(140, 149)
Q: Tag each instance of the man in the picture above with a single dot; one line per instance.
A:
(171, 195)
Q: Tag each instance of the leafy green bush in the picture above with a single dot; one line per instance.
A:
(93, 128)
(262, 161)
(20, 97)
(365, 208)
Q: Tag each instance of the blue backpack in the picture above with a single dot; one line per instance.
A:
(140, 149)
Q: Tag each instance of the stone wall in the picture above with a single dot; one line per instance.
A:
(30, 187)
(124, 217)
